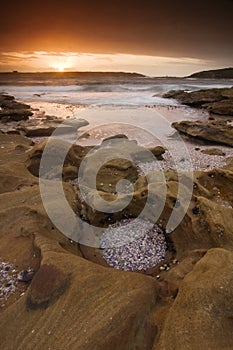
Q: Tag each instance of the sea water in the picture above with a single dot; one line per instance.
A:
(105, 90)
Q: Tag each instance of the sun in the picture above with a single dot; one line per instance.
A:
(59, 67)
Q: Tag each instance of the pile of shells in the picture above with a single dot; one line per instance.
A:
(133, 245)
(8, 280)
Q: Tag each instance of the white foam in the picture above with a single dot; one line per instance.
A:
(106, 94)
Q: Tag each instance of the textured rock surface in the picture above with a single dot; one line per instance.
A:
(203, 98)
(215, 131)
(12, 110)
(213, 152)
(100, 308)
(223, 107)
(73, 303)
(201, 315)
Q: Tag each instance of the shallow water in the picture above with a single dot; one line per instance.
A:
(105, 90)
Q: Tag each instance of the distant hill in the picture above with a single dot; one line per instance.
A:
(75, 74)
(225, 73)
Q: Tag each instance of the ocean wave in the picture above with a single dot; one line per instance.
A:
(100, 93)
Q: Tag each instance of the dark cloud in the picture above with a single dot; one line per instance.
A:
(201, 28)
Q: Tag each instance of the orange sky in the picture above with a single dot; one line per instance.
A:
(71, 61)
(169, 37)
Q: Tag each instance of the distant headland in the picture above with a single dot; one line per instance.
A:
(224, 73)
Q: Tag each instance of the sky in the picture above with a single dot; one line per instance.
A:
(155, 38)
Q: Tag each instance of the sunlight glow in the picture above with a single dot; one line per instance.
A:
(59, 67)
(38, 61)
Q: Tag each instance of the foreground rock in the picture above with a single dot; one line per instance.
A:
(215, 131)
(201, 315)
(109, 171)
(73, 303)
(92, 305)
(119, 305)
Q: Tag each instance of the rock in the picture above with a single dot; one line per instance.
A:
(201, 315)
(120, 304)
(45, 128)
(118, 136)
(49, 283)
(196, 98)
(12, 110)
(26, 275)
(213, 152)
(14, 114)
(37, 131)
(15, 177)
(219, 101)
(109, 174)
(74, 156)
(187, 306)
(207, 222)
(224, 107)
(70, 173)
(158, 151)
(229, 162)
(13, 172)
(218, 132)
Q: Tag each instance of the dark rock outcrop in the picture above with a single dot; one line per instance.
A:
(209, 98)
(11, 110)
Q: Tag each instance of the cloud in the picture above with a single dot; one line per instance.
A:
(76, 61)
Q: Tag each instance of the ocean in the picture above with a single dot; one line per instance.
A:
(100, 89)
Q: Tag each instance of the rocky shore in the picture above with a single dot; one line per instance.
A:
(219, 103)
(181, 294)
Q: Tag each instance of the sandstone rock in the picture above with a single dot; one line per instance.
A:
(15, 176)
(102, 303)
(195, 98)
(201, 315)
(223, 107)
(158, 151)
(229, 162)
(118, 136)
(95, 306)
(219, 131)
(75, 155)
(48, 284)
(202, 97)
(44, 128)
(213, 152)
